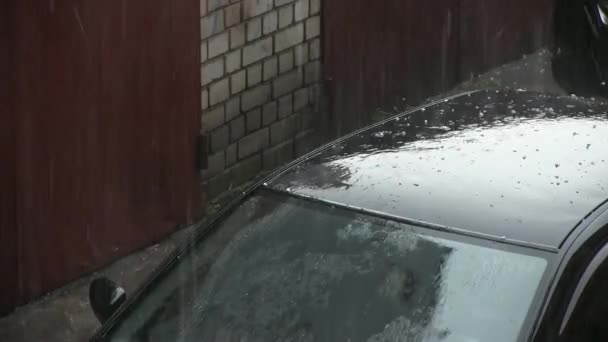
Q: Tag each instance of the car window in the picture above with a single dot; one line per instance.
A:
(284, 269)
(586, 313)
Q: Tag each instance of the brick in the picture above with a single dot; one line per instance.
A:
(301, 54)
(304, 142)
(254, 8)
(212, 24)
(269, 113)
(283, 130)
(233, 108)
(301, 9)
(245, 170)
(286, 61)
(237, 36)
(203, 7)
(300, 99)
(314, 49)
(204, 99)
(230, 155)
(289, 37)
(282, 2)
(232, 15)
(271, 22)
(313, 72)
(285, 16)
(287, 83)
(218, 45)
(255, 97)
(215, 4)
(278, 155)
(233, 61)
(212, 118)
(219, 91)
(237, 82)
(254, 75)
(212, 70)
(216, 163)
(219, 139)
(285, 106)
(203, 51)
(253, 143)
(315, 6)
(257, 51)
(237, 128)
(254, 29)
(313, 27)
(270, 68)
(254, 120)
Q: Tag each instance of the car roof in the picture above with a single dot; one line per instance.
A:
(512, 165)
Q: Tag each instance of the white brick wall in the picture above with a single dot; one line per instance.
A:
(260, 78)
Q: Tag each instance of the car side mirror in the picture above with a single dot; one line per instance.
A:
(105, 297)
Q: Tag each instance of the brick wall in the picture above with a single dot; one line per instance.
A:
(260, 74)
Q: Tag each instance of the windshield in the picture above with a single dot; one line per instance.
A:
(282, 269)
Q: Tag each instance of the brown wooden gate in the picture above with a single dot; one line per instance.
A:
(378, 52)
(105, 116)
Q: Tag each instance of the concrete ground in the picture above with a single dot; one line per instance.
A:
(65, 316)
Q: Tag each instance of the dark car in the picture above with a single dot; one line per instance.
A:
(580, 60)
(482, 217)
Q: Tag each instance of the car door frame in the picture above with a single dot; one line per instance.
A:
(578, 253)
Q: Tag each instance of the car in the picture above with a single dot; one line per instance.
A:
(580, 49)
(479, 217)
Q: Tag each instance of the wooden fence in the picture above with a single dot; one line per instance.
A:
(379, 52)
(99, 131)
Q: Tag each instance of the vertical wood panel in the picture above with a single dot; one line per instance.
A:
(107, 102)
(378, 52)
(8, 224)
(494, 32)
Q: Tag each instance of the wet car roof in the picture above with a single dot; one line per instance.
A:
(513, 165)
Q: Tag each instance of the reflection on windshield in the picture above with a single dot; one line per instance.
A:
(311, 273)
